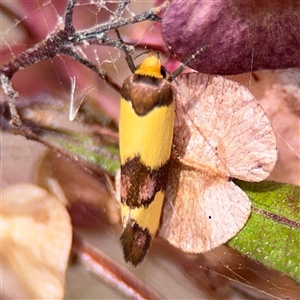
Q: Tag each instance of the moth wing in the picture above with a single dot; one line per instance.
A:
(201, 211)
(222, 122)
(220, 131)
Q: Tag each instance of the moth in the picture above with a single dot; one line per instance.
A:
(146, 134)
(181, 143)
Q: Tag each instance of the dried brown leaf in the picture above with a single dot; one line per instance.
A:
(36, 240)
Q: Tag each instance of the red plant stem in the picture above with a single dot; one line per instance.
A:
(115, 275)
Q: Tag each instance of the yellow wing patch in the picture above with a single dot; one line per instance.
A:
(147, 218)
(149, 136)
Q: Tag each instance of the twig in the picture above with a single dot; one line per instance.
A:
(12, 97)
(64, 41)
(110, 272)
(121, 7)
(94, 68)
(69, 28)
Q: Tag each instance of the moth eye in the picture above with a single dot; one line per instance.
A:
(163, 71)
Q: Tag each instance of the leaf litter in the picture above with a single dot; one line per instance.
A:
(36, 240)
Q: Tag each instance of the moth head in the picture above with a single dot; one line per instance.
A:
(151, 66)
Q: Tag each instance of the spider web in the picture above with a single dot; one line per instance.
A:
(22, 33)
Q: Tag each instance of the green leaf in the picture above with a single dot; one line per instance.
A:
(84, 147)
(102, 156)
(272, 233)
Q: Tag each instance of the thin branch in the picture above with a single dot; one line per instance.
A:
(68, 38)
(121, 7)
(69, 28)
(108, 79)
(106, 40)
(97, 31)
(47, 49)
(63, 42)
(12, 97)
(111, 272)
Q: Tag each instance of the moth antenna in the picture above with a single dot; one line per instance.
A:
(128, 57)
(179, 70)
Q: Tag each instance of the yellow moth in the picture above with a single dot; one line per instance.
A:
(146, 133)
(220, 132)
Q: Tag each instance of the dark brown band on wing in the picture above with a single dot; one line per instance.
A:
(135, 242)
(139, 184)
(146, 92)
